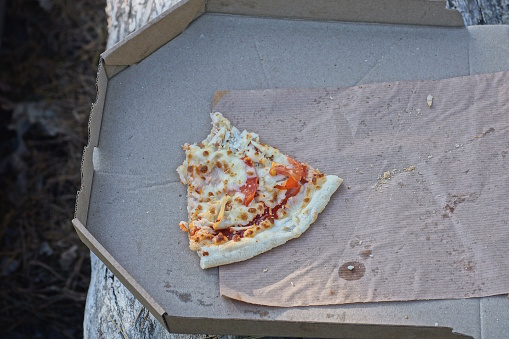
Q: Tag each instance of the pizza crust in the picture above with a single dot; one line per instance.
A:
(284, 229)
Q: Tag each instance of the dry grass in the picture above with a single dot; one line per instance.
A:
(47, 84)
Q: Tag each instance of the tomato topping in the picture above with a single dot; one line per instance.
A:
(298, 168)
(290, 183)
(249, 189)
(295, 173)
(292, 192)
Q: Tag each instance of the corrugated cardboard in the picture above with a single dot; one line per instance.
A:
(385, 11)
(155, 94)
(421, 214)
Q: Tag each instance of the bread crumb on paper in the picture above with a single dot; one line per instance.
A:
(383, 180)
(429, 100)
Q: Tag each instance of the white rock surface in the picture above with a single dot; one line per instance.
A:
(124, 17)
(112, 311)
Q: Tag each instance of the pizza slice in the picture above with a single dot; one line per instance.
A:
(244, 197)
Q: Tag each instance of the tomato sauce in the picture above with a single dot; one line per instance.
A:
(229, 234)
(268, 213)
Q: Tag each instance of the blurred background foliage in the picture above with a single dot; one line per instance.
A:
(49, 54)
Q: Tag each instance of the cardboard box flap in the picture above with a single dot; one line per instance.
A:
(414, 12)
(261, 327)
(117, 269)
(94, 127)
(174, 21)
(155, 34)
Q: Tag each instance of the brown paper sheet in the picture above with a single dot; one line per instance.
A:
(435, 228)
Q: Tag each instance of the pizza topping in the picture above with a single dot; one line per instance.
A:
(291, 182)
(221, 213)
(220, 238)
(183, 226)
(239, 228)
(295, 170)
(296, 174)
(249, 190)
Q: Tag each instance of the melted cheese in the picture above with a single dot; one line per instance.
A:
(216, 172)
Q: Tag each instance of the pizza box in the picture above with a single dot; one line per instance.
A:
(164, 76)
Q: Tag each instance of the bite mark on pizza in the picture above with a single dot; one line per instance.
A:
(244, 197)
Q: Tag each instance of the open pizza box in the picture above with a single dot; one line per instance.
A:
(155, 90)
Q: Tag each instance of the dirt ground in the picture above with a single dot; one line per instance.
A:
(48, 61)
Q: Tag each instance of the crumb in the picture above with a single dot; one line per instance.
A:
(348, 187)
(331, 292)
(351, 267)
(429, 100)
(291, 283)
(265, 270)
(406, 317)
(386, 175)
